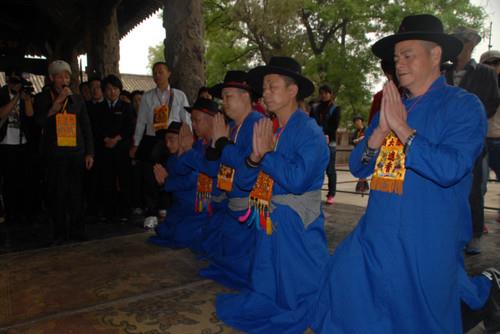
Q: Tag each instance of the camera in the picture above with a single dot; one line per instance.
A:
(26, 85)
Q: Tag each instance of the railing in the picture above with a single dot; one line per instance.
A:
(343, 169)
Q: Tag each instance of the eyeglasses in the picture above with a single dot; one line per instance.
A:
(494, 62)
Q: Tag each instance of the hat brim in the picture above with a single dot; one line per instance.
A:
(206, 111)
(256, 77)
(452, 46)
(216, 90)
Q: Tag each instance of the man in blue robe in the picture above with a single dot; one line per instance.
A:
(230, 265)
(193, 157)
(401, 270)
(291, 248)
(182, 225)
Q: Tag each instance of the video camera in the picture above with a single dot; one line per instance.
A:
(26, 85)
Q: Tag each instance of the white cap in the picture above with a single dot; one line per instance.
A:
(58, 66)
(489, 55)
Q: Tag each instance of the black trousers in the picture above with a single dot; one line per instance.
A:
(115, 169)
(476, 197)
(13, 170)
(137, 185)
(64, 194)
(331, 172)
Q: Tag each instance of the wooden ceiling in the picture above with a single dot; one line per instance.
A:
(35, 26)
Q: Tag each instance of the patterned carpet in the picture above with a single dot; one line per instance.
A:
(124, 285)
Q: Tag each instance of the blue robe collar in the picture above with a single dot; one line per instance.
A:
(436, 86)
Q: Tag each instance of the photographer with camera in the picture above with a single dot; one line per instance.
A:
(16, 123)
(68, 149)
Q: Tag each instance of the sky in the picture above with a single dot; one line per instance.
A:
(134, 46)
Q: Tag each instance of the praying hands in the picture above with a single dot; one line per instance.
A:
(263, 139)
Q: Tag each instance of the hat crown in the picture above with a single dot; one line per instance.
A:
(235, 76)
(174, 127)
(58, 66)
(286, 63)
(203, 103)
(421, 23)
(490, 55)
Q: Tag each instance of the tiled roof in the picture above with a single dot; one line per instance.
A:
(130, 82)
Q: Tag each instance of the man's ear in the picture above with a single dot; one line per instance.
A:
(294, 89)
(436, 55)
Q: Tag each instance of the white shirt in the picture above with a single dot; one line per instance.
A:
(154, 98)
(13, 135)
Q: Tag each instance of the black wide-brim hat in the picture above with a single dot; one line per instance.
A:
(235, 79)
(284, 66)
(422, 27)
(204, 105)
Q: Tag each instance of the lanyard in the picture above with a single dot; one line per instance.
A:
(160, 98)
(278, 137)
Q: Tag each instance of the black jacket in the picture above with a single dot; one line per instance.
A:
(118, 120)
(76, 105)
(328, 118)
(480, 80)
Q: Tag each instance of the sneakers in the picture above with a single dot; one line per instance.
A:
(329, 200)
(473, 247)
(492, 319)
(150, 222)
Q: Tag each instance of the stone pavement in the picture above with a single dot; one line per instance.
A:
(124, 285)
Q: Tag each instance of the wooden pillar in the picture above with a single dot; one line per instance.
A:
(184, 45)
(103, 40)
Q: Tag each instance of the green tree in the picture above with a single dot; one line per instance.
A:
(156, 54)
(331, 38)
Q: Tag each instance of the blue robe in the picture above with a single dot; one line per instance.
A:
(230, 265)
(183, 225)
(287, 263)
(207, 244)
(401, 270)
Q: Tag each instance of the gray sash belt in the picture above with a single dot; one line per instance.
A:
(220, 198)
(306, 205)
(238, 203)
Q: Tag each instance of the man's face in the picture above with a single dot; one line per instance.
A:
(172, 142)
(60, 79)
(202, 124)
(16, 85)
(235, 101)
(325, 96)
(111, 92)
(161, 74)
(205, 95)
(95, 90)
(276, 93)
(494, 63)
(358, 123)
(414, 64)
(85, 92)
